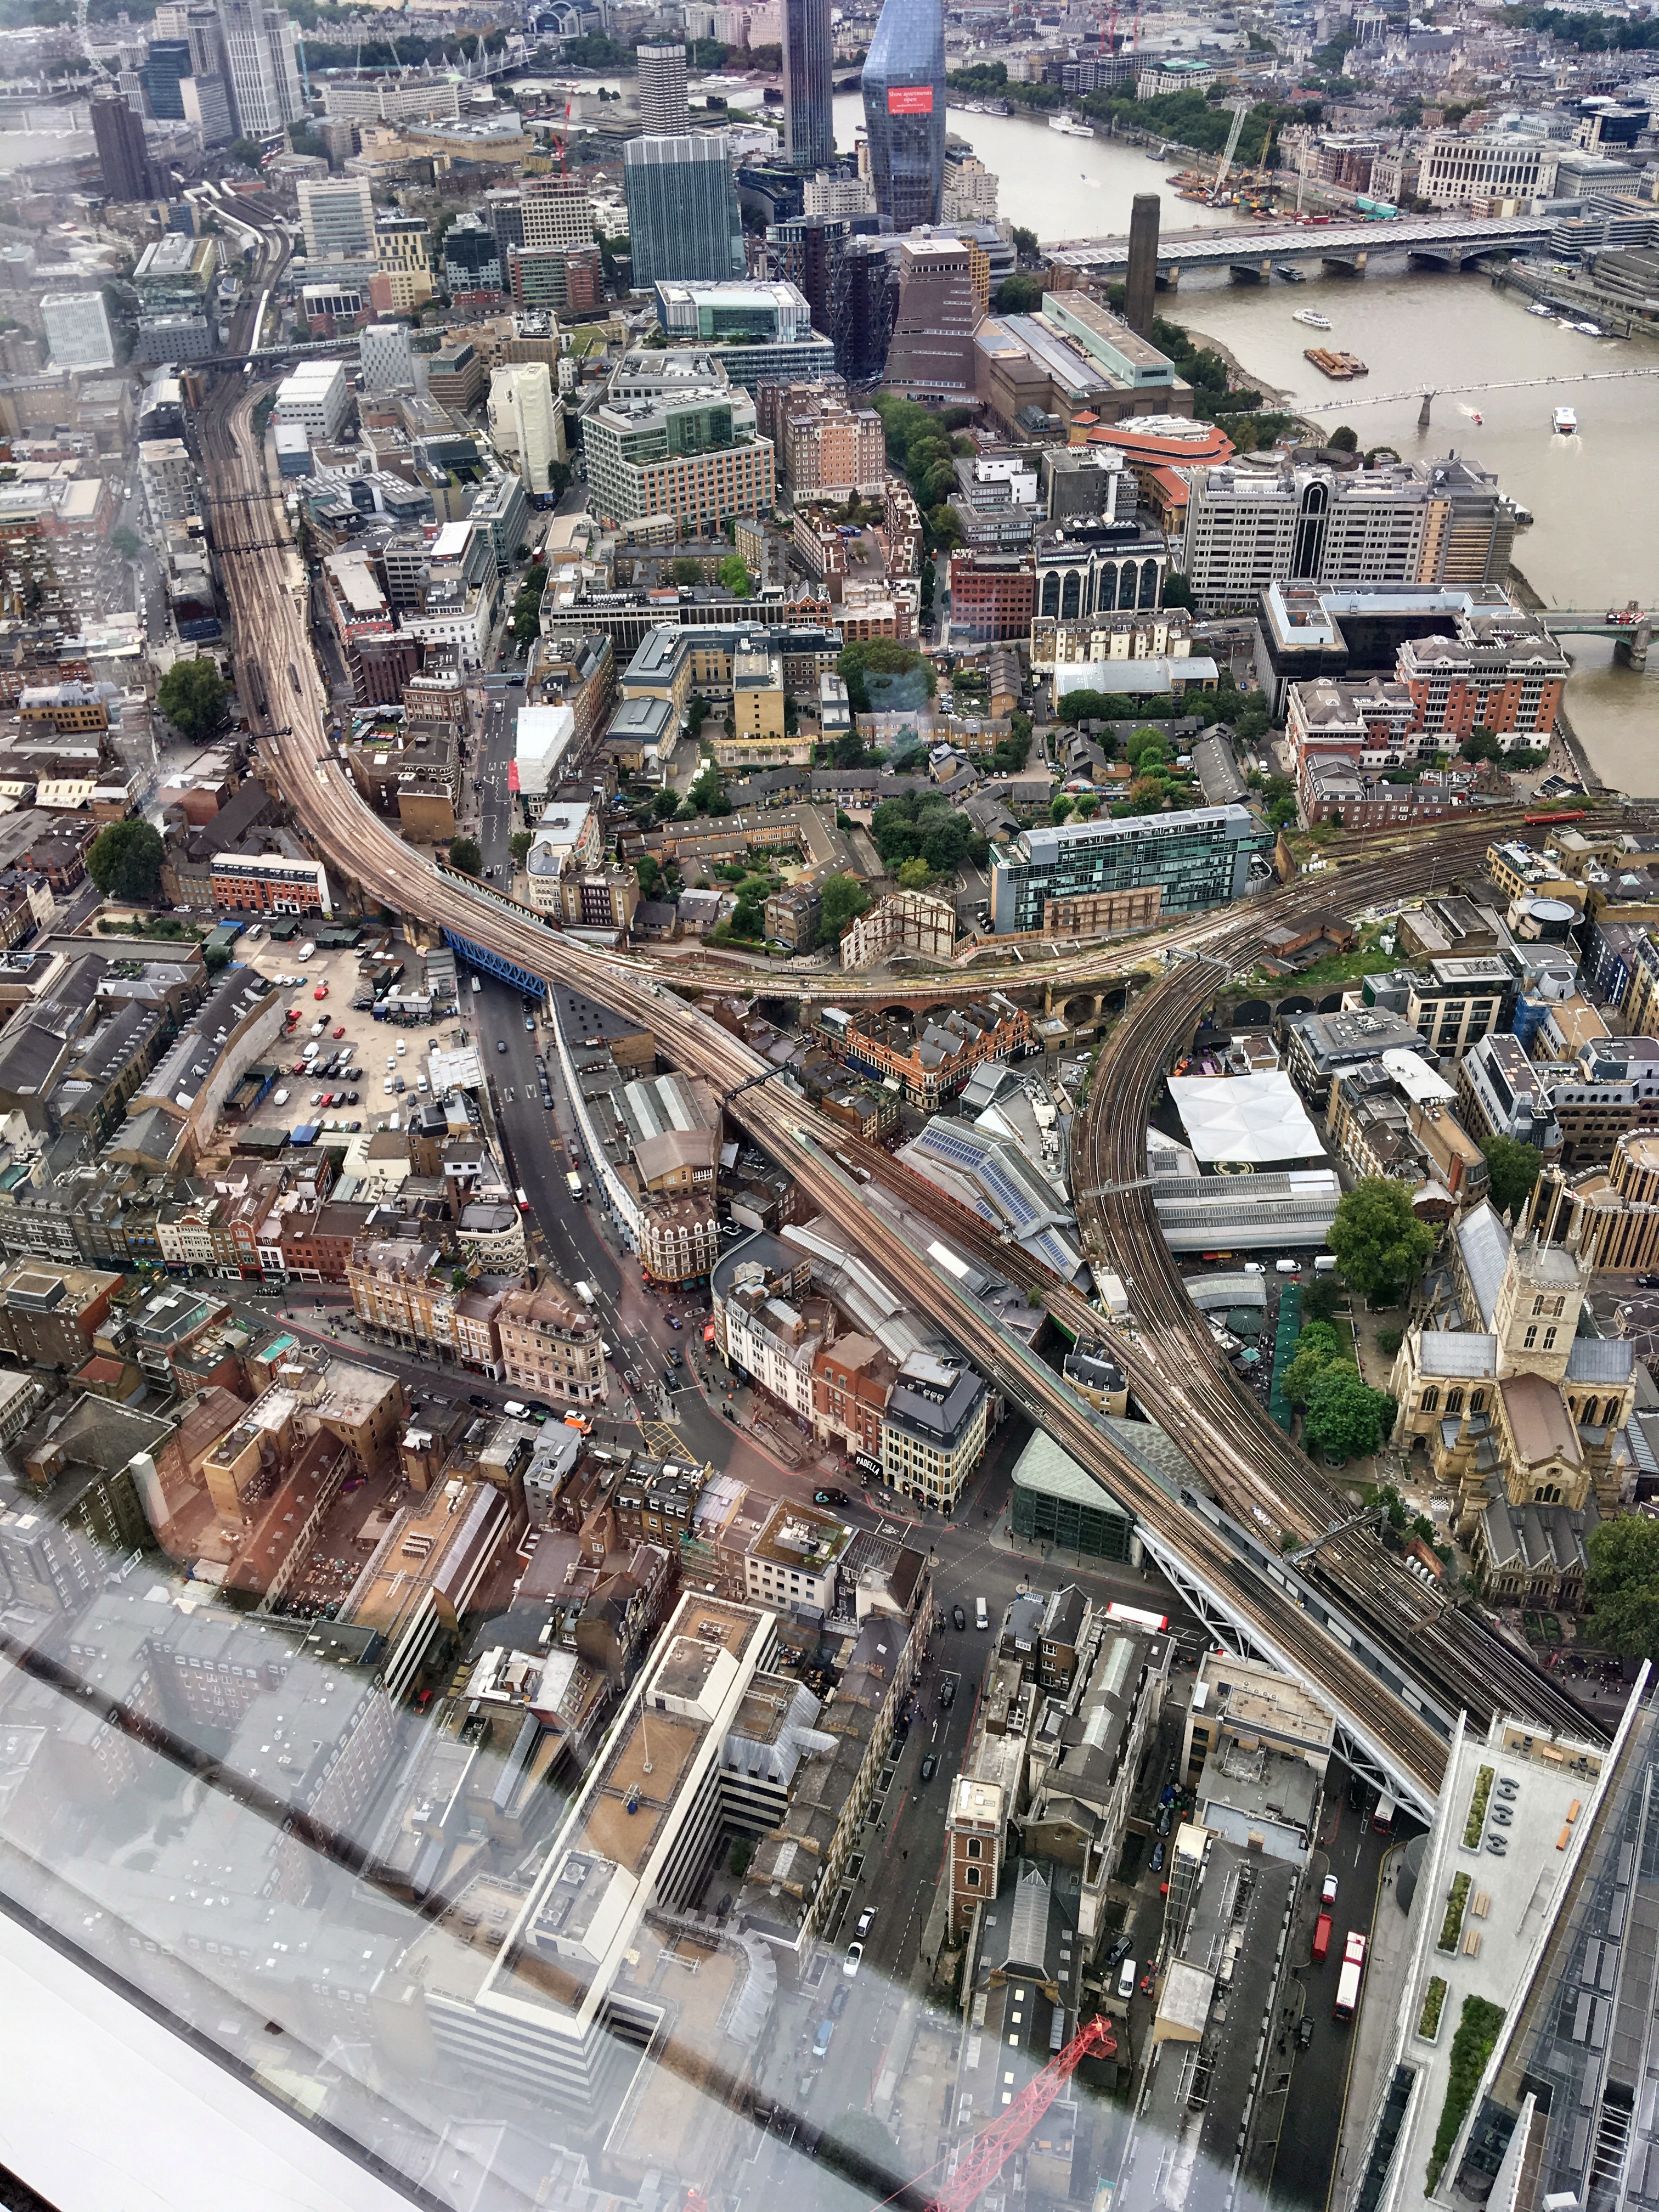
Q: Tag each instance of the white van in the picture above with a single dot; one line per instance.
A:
(305, 952)
(1126, 1980)
(279, 1097)
(514, 1409)
(1287, 1266)
(403, 1047)
(1325, 1264)
(981, 1618)
(420, 1084)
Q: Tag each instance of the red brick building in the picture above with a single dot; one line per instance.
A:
(1504, 673)
(992, 597)
(852, 1381)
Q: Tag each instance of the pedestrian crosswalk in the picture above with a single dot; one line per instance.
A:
(662, 1439)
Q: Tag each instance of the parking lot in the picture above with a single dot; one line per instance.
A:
(382, 1063)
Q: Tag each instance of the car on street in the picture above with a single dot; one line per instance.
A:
(866, 1920)
(631, 1377)
(929, 1766)
(530, 1023)
(838, 2001)
(674, 1321)
(958, 1618)
(501, 1044)
(1126, 1981)
(477, 1398)
(947, 1696)
(1164, 1820)
(828, 1497)
(1303, 2031)
(336, 1034)
(1119, 1952)
(1649, 1282)
(674, 1359)
(854, 1959)
(1327, 1890)
(1157, 1858)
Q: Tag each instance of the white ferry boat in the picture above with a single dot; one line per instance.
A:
(1565, 420)
(1070, 127)
(1312, 318)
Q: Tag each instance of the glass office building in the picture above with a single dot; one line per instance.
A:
(682, 219)
(904, 109)
(807, 92)
(1197, 858)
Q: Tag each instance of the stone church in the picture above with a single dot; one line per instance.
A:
(1521, 1415)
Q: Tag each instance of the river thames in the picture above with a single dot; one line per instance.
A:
(1593, 543)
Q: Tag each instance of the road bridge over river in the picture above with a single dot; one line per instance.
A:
(1446, 242)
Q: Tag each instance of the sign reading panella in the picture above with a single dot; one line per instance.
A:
(910, 100)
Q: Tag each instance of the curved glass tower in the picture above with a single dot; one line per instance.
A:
(904, 109)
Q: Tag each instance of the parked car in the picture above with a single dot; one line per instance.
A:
(501, 1044)
(1157, 1858)
(1327, 1890)
(866, 1920)
(1120, 1951)
(958, 1618)
(947, 1696)
(929, 1766)
(1303, 2031)
(853, 1960)
(838, 2001)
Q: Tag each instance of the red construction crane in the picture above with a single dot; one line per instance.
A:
(993, 2148)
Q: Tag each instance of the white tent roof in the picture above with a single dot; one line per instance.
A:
(1254, 1118)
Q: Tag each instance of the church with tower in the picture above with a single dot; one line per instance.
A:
(1519, 1406)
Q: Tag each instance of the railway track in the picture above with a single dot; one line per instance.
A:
(268, 595)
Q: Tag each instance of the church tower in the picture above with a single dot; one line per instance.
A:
(1536, 1314)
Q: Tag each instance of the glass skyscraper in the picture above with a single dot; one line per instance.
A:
(905, 110)
(682, 219)
(807, 90)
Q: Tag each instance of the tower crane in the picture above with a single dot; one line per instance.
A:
(992, 2147)
(1241, 108)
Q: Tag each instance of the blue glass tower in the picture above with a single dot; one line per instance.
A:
(905, 110)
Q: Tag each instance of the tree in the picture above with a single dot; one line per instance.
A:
(1085, 707)
(914, 874)
(192, 695)
(125, 860)
(464, 855)
(706, 794)
(1345, 1417)
(126, 541)
(1018, 294)
(1177, 592)
(1316, 1346)
(1481, 744)
(1514, 1167)
(1380, 1244)
(1623, 1585)
(734, 573)
(1025, 241)
(245, 151)
(843, 899)
(1343, 440)
(518, 844)
(665, 803)
(684, 571)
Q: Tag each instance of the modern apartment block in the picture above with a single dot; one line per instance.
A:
(693, 454)
(682, 219)
(808, 93)
(261, 44)
(1501, 672)
(557, 211)
(831, 450)
(1200, 857)
(904, 111)
(1252, 525)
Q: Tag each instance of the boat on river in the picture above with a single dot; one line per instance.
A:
(1312, 318)
(1565, 420)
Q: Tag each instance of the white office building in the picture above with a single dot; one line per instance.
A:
(77, 330)
(557, 211)
(385, 358)
(317, 397)
(1460, 172)
(526, 422)
(338, 217)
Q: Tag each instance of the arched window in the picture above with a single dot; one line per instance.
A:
(1051, 593)
(1106, 586)
(1477, 1402)
(1547, 1493)
(1431, 1399)
(1454, 1401)
(1070, 597)
(1126, 583)
(1149, 583)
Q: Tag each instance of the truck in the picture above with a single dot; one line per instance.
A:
(1322, 1942)
(573, 1183)
(585, 1292)
(1353, 1970)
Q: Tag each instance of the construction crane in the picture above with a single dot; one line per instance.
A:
(1241, 108)
(992, 2147)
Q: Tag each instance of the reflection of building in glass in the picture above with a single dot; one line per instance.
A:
(904, 109)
